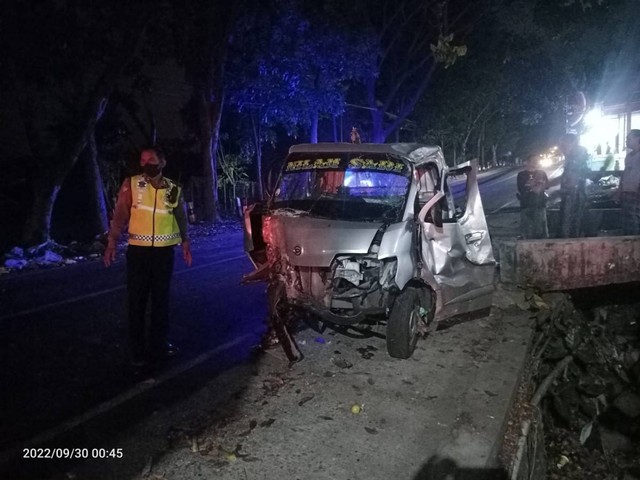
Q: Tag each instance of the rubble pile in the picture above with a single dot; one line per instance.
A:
(587, 368)
(50, 254)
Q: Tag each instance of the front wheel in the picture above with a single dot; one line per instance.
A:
(402, 325)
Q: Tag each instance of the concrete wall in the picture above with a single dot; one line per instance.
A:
(565, 264)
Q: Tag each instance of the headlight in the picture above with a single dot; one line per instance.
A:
(546, 162)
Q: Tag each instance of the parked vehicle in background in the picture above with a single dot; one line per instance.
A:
(359, 233)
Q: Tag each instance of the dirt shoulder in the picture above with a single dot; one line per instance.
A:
(347, 411)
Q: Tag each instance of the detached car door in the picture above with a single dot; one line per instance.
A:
(455, 244)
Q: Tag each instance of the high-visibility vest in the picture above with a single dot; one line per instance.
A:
(152, 222)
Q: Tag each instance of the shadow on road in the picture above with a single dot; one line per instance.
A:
(153, 412)
(438, 468)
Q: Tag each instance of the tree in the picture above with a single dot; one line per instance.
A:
(290, 67)
(569, 45)
(524, 57)
(234, 171)
(62, 78)
(202, 32)
(410, 38)
(460, 110)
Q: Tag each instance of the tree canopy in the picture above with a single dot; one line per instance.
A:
(472, 76)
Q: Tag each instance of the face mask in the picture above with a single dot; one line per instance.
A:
(151, 170)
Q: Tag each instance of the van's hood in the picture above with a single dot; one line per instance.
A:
(314, 242)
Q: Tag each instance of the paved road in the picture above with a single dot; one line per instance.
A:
(64, 330)
(499, 192)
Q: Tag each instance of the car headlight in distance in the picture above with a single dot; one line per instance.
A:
(546, 162)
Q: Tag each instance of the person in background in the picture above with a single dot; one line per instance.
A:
(572, 186)
(153, 207)
(630, 186)
(532, 186)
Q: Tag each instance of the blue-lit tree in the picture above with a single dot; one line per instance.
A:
(290, 68)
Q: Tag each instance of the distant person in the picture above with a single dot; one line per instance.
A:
(355, 135)
(153, 207)
(630, 186)
(572, 186)
(532, 186)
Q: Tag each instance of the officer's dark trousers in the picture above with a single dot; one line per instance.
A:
(149, 272)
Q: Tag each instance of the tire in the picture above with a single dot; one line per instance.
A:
(402, 325)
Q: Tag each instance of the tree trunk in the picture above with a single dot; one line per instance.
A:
(48, 179)
(313, 137)
(211, 98)
(257, 136)
(377, 115)
(209, 164)
(38, 224)
(96, 206)
(377, 135)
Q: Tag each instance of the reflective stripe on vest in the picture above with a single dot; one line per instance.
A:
(152, 222)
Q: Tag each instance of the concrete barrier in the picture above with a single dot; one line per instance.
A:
(565, 264)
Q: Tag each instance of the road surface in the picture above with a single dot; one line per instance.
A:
(64, 333)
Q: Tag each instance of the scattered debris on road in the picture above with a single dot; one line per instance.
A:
(52, 254)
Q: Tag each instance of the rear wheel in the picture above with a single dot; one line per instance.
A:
(403, 323)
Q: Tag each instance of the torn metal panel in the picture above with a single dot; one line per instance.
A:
(565, 264)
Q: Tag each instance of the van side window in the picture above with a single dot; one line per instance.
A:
(456, 197)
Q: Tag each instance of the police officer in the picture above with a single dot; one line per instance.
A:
(630, 185)
(153, 206)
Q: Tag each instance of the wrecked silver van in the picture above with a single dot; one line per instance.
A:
(359, 233)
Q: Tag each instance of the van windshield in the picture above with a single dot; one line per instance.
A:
(357, 187)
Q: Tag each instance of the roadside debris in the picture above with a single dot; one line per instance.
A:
(50, 254)
(586, 364)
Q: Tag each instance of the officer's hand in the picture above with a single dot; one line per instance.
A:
(186, 252)
(109, 255)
